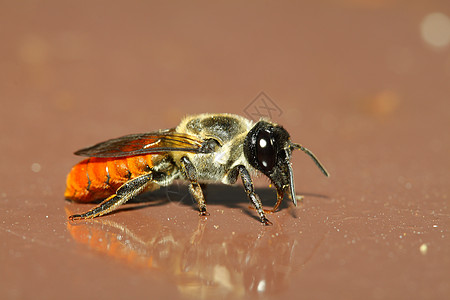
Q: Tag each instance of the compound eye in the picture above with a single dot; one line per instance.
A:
(265, 150)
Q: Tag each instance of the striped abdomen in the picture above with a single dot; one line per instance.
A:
(97, 178)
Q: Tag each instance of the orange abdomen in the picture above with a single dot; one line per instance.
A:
(97, 178)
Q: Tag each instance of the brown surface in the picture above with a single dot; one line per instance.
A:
(357, 84)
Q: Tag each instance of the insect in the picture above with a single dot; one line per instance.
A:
(202, 149)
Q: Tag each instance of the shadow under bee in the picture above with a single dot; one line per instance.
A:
(215, 194)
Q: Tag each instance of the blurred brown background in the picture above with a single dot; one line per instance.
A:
(363, 83)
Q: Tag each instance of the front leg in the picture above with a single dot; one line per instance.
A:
(194, 186)
(248, 186)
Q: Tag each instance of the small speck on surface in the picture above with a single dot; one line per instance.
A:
(423, 249)
(36, 167)
(261, 286)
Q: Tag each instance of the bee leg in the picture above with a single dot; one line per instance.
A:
(248, 186)
(194, 186)
(124, 193)
(280, 195)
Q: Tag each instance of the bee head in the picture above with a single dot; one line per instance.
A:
(268, 148)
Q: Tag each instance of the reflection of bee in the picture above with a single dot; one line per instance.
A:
(202, 149)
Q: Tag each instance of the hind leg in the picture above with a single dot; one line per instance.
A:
(124, 193)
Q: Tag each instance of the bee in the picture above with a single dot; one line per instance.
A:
(202, 149)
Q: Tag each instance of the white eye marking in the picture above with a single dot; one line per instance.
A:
(262, 143)
(264, 163)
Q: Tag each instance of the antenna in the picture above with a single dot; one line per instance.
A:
(314, 158)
